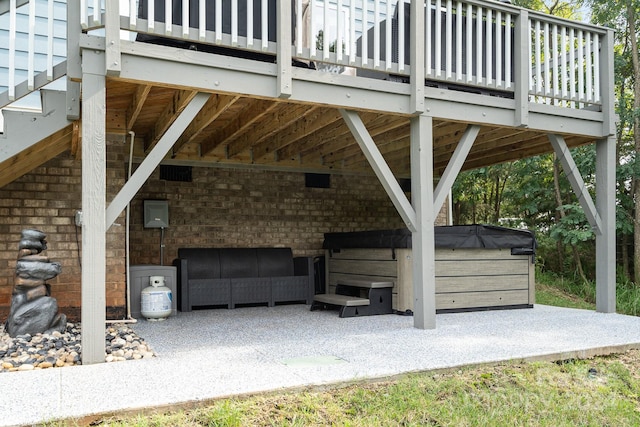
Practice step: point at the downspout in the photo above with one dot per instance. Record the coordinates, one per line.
(127, 225)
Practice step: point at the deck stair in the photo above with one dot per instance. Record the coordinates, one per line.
(30, 138)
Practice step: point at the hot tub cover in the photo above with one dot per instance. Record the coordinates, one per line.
(521, 242)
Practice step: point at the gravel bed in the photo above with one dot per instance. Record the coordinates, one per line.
(55, 350)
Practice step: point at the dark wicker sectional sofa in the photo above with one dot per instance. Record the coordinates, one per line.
(232, 276)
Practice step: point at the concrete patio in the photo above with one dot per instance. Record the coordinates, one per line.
(216, 353)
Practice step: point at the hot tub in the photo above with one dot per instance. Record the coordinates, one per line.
(478, 267)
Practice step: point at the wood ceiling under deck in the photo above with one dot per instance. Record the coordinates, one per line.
(237, 130)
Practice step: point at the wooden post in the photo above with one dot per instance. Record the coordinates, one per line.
(112, 38)
(284, 49)
(423, 237)
(74, 61)
(522, 68)
(93, 207)
(606, 240)
(417, 56)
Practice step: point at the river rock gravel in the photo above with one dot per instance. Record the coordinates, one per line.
(58, 349)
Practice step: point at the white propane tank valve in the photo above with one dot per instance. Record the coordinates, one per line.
(156, 300)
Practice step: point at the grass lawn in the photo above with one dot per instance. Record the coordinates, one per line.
(604, 391)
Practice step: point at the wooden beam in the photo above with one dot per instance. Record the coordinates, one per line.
(577, 183)
(244, 121)
(381, 169)
(139, 98)
(384, 129)
(180, 100)
(285, 116)
(310, 123)
(76, 140)
(214, 108)
(153, 159)
(455, 165)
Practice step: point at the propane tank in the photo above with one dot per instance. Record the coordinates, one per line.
(156, 299)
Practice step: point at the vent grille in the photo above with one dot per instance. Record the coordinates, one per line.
(317, 180)
(175, 173)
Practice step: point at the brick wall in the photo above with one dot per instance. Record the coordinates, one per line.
(220, 207)
(47, 199)
(245, 208)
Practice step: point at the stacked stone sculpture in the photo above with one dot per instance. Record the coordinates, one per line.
(33, 309)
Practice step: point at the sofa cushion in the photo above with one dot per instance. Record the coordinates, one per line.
(238, 262)
(275, 262)
(202, 263)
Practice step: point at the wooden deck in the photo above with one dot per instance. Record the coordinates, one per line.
(236, 129)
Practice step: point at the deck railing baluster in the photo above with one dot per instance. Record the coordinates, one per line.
(388, 56)
(554, 59)
(234, 22)
(265, 25)
(401, 38)
(498, 49)
(168, 17)
(339, 36)
(469, 46)
(596, 68)
(218, 26)
(459, 49)
(589, 78)
(488, 44)
(185, 18)
(508, 58)
(249, 21)
(572, 62)
(376, 33)
(438, 40)
(428, 41)
(352, 32)
(325, 32)
(563, 62)
(449, 41)
(479, 45)
(580, 68)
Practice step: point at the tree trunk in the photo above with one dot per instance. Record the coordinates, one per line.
(636, 135)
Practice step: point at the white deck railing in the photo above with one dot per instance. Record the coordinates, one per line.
(469, 43)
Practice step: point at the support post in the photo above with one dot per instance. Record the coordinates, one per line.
(606, 240)
(112, 38)
(417, 55)
(74, 60)
(93, 207)
(522, 68)
(285, 79)
(423, 237)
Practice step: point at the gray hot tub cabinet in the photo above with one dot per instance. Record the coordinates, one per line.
(478, 267)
